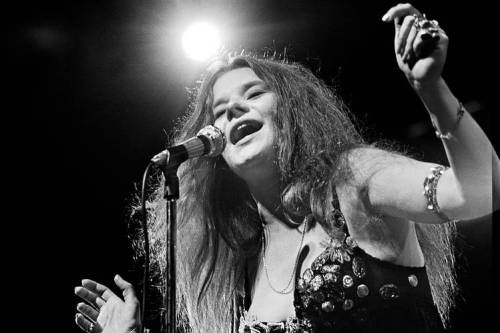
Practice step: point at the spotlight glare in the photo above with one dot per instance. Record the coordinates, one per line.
(201, 41)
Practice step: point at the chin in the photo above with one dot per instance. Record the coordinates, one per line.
(249, 162)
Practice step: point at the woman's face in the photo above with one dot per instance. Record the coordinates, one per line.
(244, 108)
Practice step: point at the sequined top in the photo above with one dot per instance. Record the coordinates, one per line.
(347, 290)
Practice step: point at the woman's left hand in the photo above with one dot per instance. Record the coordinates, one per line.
(420, 44)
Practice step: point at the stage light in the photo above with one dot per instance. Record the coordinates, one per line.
(201, 41)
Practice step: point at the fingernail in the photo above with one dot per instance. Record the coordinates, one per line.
(384, 18)
(76, 289)
(117, 277)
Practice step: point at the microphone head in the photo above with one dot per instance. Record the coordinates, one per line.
(216, 138)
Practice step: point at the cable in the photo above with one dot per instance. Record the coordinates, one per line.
(144, 223)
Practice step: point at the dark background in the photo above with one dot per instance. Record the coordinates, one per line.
(93, 85)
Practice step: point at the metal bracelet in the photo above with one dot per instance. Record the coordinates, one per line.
(430, 192)
(448, 135)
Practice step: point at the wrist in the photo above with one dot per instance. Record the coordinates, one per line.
(428, 88)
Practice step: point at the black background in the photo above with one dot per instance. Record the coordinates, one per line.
(93, 85)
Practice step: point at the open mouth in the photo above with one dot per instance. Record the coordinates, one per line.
(244, 129)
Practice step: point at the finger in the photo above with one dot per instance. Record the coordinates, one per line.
(89, 297)
(128, 291)
(98, 288)
(88, 311)
(426, 43)
(400, 42)
(400, 10)
(409, 44)
(86, 325)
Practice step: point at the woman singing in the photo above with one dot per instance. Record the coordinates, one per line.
(300, 225)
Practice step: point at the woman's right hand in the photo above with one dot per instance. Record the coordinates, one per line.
(104, 311)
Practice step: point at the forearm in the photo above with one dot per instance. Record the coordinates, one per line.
(474, 163)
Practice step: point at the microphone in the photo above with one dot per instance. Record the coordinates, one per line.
(208, 141)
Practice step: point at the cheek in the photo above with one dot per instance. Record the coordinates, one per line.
(220, 124)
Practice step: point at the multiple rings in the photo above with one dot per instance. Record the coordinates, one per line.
(91, 327)
(429, 28)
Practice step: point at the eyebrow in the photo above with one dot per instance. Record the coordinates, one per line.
(243, 89)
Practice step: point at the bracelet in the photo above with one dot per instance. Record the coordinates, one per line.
(447, 136)
(430, 193)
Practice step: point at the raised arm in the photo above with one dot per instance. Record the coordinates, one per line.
(467, 189)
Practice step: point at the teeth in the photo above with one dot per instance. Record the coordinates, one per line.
(243, 130)
(241, 126)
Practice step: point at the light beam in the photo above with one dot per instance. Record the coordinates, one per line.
(201, 40)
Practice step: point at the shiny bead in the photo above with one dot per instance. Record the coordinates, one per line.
(333, 256)
(338, 223)
(340, 257)
(330, 278)
(413, 280)
(358, 267)
(350, 242)
(328, 269)
(301, 285)
(362, 290)
(307, 276)
(327, 306)
(306, 301)
(316, 265)
(389, 291)
(348, 304)
(337, 218)
(316, 282)
(430, 207)
(347, 281)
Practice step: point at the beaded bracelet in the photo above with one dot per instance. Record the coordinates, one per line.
(430, 193)
(447, 136)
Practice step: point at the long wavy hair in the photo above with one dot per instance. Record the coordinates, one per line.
(219, 229)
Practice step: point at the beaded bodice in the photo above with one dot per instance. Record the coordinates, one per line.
(347, 290)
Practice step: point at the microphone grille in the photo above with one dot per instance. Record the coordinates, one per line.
(216, 138)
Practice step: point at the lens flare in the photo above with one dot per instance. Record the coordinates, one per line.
(201, 41)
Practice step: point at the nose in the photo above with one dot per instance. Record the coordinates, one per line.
(236, 109)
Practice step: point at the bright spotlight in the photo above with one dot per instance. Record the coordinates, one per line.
(201, 41)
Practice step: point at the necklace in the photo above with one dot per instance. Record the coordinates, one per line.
(286, 289)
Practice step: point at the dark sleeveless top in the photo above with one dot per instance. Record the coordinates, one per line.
(347, 290)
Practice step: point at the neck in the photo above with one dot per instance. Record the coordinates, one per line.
(267, 195)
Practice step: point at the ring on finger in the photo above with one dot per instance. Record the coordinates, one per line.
(429, 28)
(421, 22)
(91, 328)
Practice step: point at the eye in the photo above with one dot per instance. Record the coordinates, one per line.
(219, 113)
(255, 93)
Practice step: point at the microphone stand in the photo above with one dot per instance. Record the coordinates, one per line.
(210, 141)
(171, 194)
